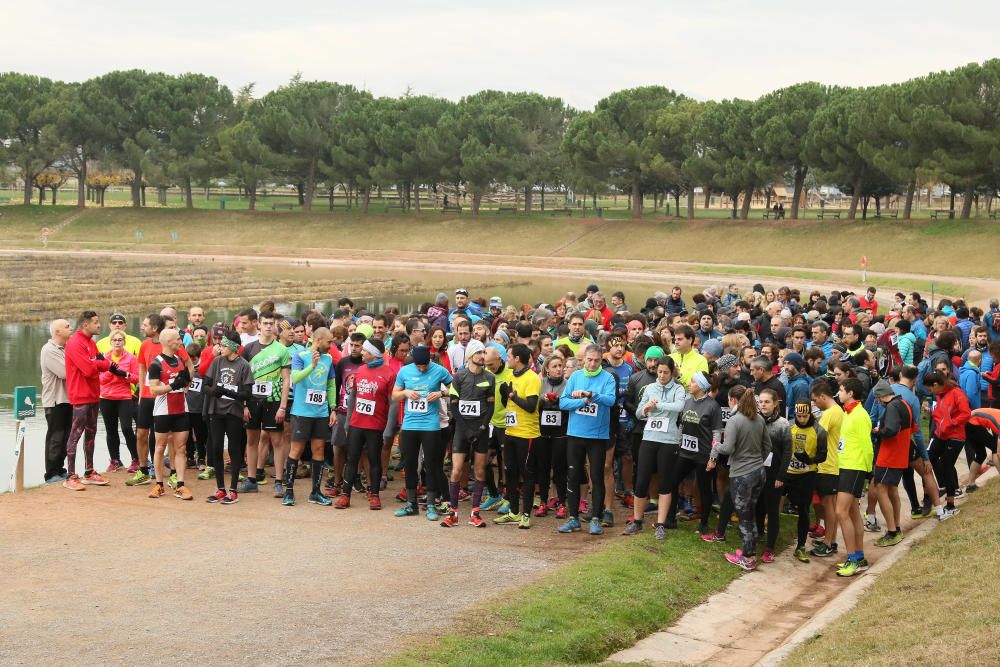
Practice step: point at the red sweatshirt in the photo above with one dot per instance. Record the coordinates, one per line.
(83, 369)
(951, 414)
(120, 388)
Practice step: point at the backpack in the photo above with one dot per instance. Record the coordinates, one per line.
(887, 353)
(994, 321)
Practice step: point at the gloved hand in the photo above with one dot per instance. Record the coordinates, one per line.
(802, 457)
(218, 391)
(99, 357)
(504, 390)
(116, 370)
(184, 376)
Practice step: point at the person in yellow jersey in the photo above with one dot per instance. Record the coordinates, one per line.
(519, 400)
(809, 447)
(577, 335)
(115, 324)
(497, 365)
(828, 471)
(855, 453)
(688, 360)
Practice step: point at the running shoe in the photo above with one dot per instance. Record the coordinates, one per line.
(134, 466)
(525, 521)
(742, 562)
(73, 483)
(476, 520)
(790, 510)
(343, 502)
(660, 531)
(231, 499)
(450, 520)
(373, 502)
(249, 485)
(850, 568)
(629, 501)
(928, 511)
(633, 527)
(507, 519)
(888, 540)
(443, 507)
(595, 526)
(971, 488)
(201, 464)
(490, 503)
(138, 479)
(553, 503)
(158, 491)
(359, 484)
(332, 493)
(192, 462)
(542, 510)
(183, 493)
(172, 481)
(304, 472)
(388, 475)
(917, 513)
(94, 479)
(571, 526)
(401, 496)
(289, 498)
(319, 499)
(863, 565)
(261, 477)
(432, 513)
(767, 557)
(871, 524)
(409, 509)
(115, 466)
(503, 509)
(823, 550)
(207, 473)
(801, 554)
(464, 495)
(279, 489)
(948, 513)
(817, 531)
(561, 511)
(584, 508)
(216, 497)
(384, 482)
(958, 492)
(712, 536)
(607, 518)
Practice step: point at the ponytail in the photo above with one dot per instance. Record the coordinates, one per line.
(746, 402)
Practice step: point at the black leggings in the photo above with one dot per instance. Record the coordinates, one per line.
(520, 463)
(799, 489)
(594, 451)
(410, 443)
(198, 442)
(118, 414)
(371, 441)
(767, 507)
(944, 455)
(223, 428)
(654, 458)
(550, 451)
(682, 469)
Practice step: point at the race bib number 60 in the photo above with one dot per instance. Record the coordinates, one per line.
(658, 425)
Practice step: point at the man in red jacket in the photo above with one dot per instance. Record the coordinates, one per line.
(84, 365)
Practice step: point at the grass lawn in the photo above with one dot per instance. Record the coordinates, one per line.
(592, 607)
(936, 605)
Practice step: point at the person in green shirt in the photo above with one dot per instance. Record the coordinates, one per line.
(855, 454)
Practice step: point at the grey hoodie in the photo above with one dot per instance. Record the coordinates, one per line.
(747, 443)
(670, 399)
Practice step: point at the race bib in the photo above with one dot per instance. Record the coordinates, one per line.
(658, 425)
(689, 443)
(262, 389)
(587, 410)
(767, 461)
(363, 406)
(727, 412)
(795, 464)
(510, 419)
(230, 387)
(840, 445)
(416, 405)
(315, 397)
(469, 408)
(551, 418)
(195, 385)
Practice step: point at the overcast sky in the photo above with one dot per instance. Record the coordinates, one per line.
(580, 50)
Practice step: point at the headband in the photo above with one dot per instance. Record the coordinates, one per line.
(370, 349)
(230, 345)
(702, 381)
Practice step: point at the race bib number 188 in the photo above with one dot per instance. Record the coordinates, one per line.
(315, 397)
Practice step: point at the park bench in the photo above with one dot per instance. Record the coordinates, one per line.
(286, 206)
(507, 209)
(456, 208)
(560, 211)
(886, 214)
(822, 215)
(941, 213)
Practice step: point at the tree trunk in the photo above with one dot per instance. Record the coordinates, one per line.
(636, 198)
(951, 203)
(527, 199)
(677, 203)
(690, 211)
(100, 196)
(310, 192)
(136, 187)
(300, 188)
(594, 196)
(542, 202)
(767, 199)
(142, 195)
(747, 201)
(908, 206)
(28, 186)
(855, 198)
(970, 192)
(800, 181)
(477, 199)
(708, 197)
(41, 196)
(416, 199)
(329, 198)
(408, 191)
(188, 194)
(368, 198)
(81, 184)
(252, 195)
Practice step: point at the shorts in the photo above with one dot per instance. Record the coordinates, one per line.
(171, 423)
(980, 437)
(263, 416)
(470, 439)
(306, 429)
(339, 437)
(622, 441)
(826, 484)
(144, 417)
(888, 476)
(852, 482)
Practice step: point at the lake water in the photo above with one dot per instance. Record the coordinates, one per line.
(20, 343)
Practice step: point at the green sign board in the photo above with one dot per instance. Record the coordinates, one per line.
(25, 399)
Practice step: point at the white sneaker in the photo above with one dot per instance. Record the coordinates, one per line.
(948, 513)
(871, 524)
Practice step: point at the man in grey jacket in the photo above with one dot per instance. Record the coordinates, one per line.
(55, 400)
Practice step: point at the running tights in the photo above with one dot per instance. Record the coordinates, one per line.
(226, 428)
(84, 424)
(577, 450)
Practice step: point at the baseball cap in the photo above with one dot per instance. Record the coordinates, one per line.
(593, 288)
(218, 330)
(496, 302)
(462, 291)
(118, 317)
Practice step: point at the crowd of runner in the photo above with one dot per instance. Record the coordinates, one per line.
(744, 406)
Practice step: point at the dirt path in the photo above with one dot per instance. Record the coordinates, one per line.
(108, 576)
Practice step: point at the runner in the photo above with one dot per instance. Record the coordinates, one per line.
(828, 470)
(502, 374)
(688, 359)
(769, 500)
(117, 408)
(115, 324)
(951, 414)
(418, 383)
(313, 413)
(895, 431)
(577, 334)
(226, 386)
(520, 398)
(809, 445)
(551, 446)
(589, 396)
(344, 370)
(370, 399)
(854, 451)
(168, 380)
(84, 364)
(55, 400)
(472, 404)
(620, 447)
